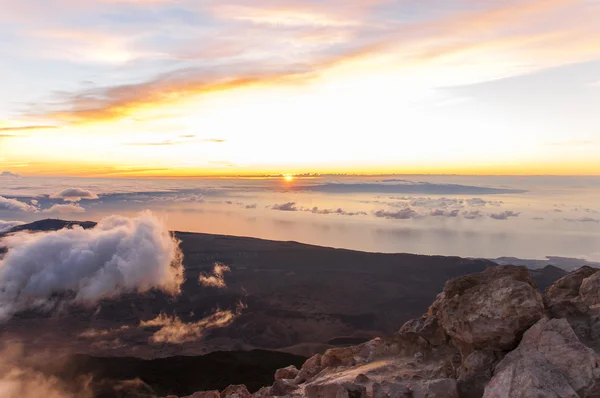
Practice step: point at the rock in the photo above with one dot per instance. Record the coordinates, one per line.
(335, 390)
(263, 393)
(236, 391)
(549, 362)
(426, 327)
(283, 387)
(589, 291)
(476, 372)
(289, 372)
(309, 369)
(205, 394)
(567, 287)
(489, 310)
(440, 388)
(391, 390)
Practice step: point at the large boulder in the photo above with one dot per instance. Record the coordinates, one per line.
(567, 287)
(589, 291)
(489, 310)
(550, 361)
(283, 387)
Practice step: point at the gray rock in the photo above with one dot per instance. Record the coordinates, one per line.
(426, 327)
(391, 390)
(205, 394)
(567, 287)
(589, 291)
(439, 388)
(283, 387)
(549, 360)
(475, 373)
(489, 310)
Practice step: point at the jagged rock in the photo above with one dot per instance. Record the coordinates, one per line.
(309, 369)
(391, 390)
(283, 387)
(289, 372)
(549, 362)
(476, 372)
(589, 291)
(426, 327)
(335, 390)
(440, 388)
(263, 393)
(204, 394)
(489, 310)
(236, 391)
(567, 287)
(341, 356)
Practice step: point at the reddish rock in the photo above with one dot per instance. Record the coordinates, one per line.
(489, 310)
(567, 287)
(236, 391)
(289, 372)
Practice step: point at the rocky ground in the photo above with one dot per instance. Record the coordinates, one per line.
(490, 334)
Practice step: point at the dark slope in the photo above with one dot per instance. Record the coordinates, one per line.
(180, 375)
(300, 298)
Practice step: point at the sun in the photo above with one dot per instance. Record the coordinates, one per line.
(288, 178)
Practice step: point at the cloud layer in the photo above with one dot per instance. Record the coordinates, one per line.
(118, 255)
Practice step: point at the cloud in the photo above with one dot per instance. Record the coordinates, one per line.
(444, 213)
(17, 379)
(339, 211)
(403, 214)
(472, 214)
(64, 209)
(76, 194)
(117, 256)
(182, 139)
(505, 215)
(16, 205)
(9, 174)
(174, 331)
(7, 225)
(583, 219)
(252, 206)
(289, 206)
(217, 278)
(25, 128)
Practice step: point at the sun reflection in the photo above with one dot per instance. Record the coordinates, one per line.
(288, 178)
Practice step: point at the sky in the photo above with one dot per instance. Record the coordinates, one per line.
(157, 88)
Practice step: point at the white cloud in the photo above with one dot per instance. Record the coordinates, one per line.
(118, 255)
(217, 278)
(65, 209)
(505, 215)
(174, 331)
(6, 225)
(16, 205)
(403, 214)
(444, 213)
(289, 206)
(76, 194)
